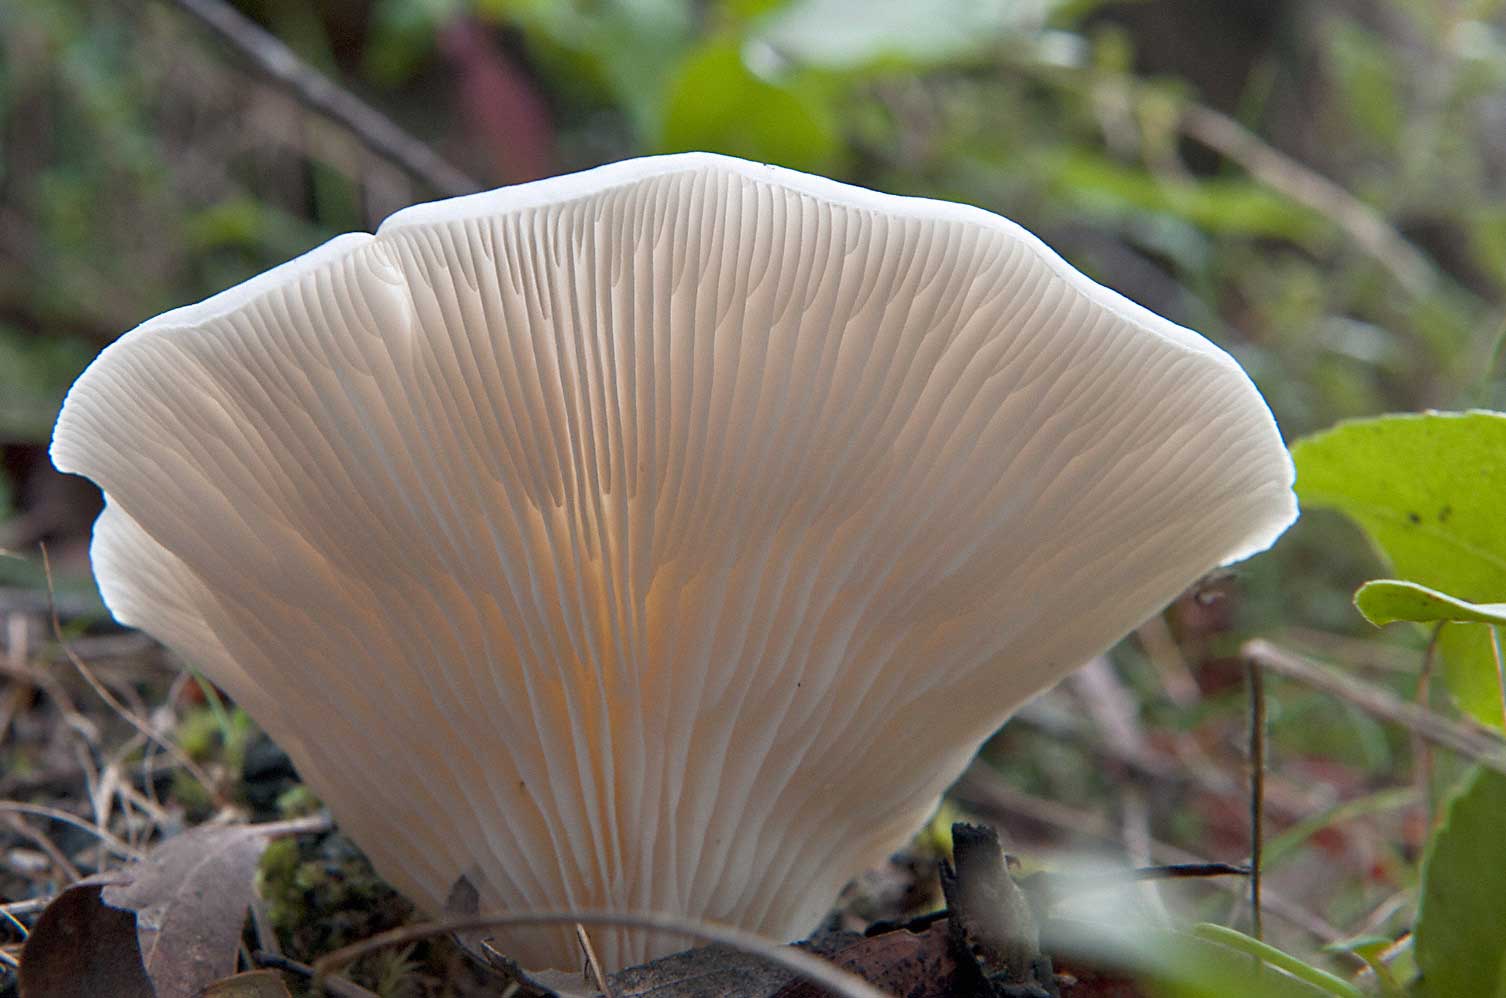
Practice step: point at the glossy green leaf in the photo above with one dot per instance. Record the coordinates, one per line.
(1429, 489)
(1461, 915)
(716, 103)
(1385, 601)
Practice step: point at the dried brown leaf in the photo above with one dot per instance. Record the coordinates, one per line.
(190, 896)
(251, 984)
(83, 948)
(165, 926)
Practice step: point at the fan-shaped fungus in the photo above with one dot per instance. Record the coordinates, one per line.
(662, 537)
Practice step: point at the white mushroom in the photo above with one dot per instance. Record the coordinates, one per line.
(663, 537)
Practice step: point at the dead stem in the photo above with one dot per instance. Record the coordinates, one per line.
(1476, 744)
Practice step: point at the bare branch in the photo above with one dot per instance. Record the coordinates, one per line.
(1302, 184)
(1482, 747)
(313, 89)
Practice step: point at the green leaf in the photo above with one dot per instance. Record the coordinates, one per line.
(1385, 601)
(1461, 916)
(1281, 846)
(1095, 184)
(1208, 962)
(627, 48)
(1429, 489)
(1274, 957)
(717, 104)
(833, 34)
(1387, 958)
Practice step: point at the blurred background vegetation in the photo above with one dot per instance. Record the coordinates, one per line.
(1317, 185)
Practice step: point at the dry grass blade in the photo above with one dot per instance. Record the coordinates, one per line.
(831, 977)
(1256, 681)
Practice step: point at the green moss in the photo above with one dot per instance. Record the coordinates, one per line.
(297, 802)
(197, 804)
(198, 734)
(322, 894)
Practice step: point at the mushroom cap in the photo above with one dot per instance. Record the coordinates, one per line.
(666, 536)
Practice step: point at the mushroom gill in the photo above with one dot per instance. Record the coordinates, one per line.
(662, 537)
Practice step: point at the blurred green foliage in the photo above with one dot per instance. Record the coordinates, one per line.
(161, 179)
(146, 166)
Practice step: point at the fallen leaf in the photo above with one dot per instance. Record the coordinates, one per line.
(83, 948)
(166, 926)
(251, 984)
(190, 896)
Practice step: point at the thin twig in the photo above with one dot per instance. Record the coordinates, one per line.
(120, 847)
(1422, 752)
(1487, 749)
(1191, 871)
(17, 651)
(1065, 883)
(313, 824)
(1495, 648)
(1256, 680)
(1357, 654)
(172, 749)
(261, 924)
(1362, 223)
(982, 788)
(831, 977)
(313, 89)
(30, 906)
(1160, 646)
(67, 872)
(337, 986)
(593, 964)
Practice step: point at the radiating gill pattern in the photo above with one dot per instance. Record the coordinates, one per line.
(670, 546)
